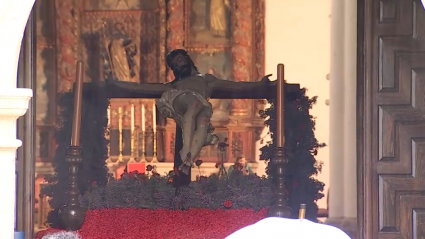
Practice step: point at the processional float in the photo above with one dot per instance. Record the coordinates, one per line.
(73, 215)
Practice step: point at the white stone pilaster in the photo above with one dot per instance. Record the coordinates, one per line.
(343, 101)
(336, 135)
(350, 109)
(13, 104)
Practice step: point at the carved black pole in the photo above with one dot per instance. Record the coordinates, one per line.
(280, 208)
(72, 214)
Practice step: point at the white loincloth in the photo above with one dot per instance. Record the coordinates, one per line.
(166, 102)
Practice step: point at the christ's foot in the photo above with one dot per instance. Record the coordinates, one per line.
(185, 169)
(211, 139)
(186, 165)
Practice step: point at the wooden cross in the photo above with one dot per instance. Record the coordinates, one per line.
(246, 91)
(125, 90)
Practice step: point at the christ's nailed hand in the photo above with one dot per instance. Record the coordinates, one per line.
(266, 79)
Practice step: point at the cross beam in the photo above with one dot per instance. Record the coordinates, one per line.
(267, 92)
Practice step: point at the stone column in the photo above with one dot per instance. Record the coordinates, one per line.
(342, 138)
(241, 52)
(13, 104)
(350, 109)
(336, 136)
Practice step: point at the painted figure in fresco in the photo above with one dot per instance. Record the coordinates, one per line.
(107, 5)
(122, 51)
(219, 21)
(185, 99)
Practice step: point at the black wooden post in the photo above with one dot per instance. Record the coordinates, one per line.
(180, 179)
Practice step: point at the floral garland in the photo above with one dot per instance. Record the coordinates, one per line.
(301, 148)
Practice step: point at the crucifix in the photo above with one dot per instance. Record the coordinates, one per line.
(185, 99)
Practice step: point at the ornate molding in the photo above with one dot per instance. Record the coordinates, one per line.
(175, 28)
(242, 32)
(67, 37)
(13, 104)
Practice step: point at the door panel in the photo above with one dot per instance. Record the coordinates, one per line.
(392, 119)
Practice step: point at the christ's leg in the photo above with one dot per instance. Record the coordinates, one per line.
(188, 128)
(200, 135)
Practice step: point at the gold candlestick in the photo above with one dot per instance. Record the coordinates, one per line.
(154, 158)
(301, 214)
(132, 154)
(142, 142)
(120, 119)
(108, 132)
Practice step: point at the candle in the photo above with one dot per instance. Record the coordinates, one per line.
(154, 117)
(132, 118)
(109, 115)
(143, 118)
(301, 213)
(280, 104)
(78, 92)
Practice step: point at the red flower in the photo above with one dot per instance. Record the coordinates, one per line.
(217, 165)
(93, 183)
(170, 179)
(198, 162)
(227, 204)
(149, 168)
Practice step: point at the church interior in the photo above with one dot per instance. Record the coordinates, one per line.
(361, 59)
(128, 39)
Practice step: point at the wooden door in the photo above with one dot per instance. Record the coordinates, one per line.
(391, 119)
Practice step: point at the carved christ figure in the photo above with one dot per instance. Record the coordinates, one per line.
(185, 99)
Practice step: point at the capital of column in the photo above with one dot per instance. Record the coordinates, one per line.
(13, 104)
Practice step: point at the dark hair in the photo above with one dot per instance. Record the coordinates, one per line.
(177, 52)
(239, 158)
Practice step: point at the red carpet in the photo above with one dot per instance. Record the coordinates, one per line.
(164, 224)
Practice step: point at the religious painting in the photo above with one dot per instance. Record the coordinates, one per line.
(45, 87)
(220, 65)
(208, 23)
(120, 5)
(111, 45)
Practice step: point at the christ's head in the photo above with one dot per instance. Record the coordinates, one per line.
(180, 63)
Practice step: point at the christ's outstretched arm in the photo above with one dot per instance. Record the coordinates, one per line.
(242, 90)
(137, 90)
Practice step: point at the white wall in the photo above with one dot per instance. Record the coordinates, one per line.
(298, 35)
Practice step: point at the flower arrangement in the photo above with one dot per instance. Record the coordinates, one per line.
(134, 223)
(147, 204)
(152, 191)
